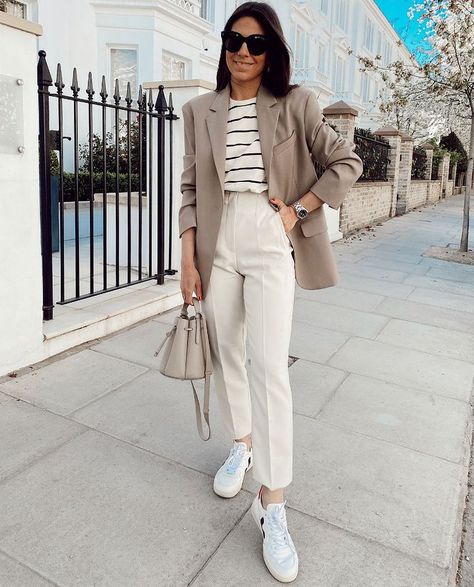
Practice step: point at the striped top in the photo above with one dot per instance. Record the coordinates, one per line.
(244, 168)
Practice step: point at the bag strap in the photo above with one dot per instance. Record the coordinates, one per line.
(169, 333)
(207, 384)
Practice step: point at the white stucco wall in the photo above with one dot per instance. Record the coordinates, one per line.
(21, 332)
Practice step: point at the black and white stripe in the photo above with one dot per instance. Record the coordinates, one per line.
(244, 168)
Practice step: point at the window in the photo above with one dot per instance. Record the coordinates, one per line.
(365, 89)
(341, 14)
(13, 7)
(123, 66)
(300, 53)
(324, 6)
(387, 52)
(340, 74)
(322, 58)
(174, 67)
(379, 43)
(207, 10)
(369, 34)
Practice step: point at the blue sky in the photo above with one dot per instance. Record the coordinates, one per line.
(396, 13)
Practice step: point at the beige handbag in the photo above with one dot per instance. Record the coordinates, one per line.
(187, 356)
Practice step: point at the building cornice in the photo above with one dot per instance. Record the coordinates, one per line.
(153, 7)
(21, 24)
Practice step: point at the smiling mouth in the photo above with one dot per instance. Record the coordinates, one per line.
(242, 63)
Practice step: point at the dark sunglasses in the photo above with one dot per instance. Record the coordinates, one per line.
(256, 44)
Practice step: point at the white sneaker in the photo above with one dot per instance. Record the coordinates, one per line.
(230, 476)
(279, 551)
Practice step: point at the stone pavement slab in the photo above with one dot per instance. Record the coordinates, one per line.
(328, 557)
(314, 343)
(441, 285)
(426, 314)
(27, 433)
(339, 319)
(430, 339)
(63, 386)
(14, 574)
(398, 497)
(340, 296)
(352, 281)
(102, 512)
(313, 385)
(157, 413)
(420, 370)
(424, 422)
(455, 274)
(447, 300)
(137, 344)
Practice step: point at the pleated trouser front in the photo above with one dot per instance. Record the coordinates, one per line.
(249, 302)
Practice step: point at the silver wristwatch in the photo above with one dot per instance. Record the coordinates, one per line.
(301, 211)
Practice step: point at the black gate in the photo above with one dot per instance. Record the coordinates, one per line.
(86, 247)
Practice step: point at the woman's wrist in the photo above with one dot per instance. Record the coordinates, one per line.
(187, 263)
(310, 201)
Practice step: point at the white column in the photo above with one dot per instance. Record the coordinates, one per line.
(21, 325)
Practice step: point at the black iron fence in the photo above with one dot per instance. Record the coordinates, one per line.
(374, 152)
(112, 235)
(419, 163)
(435, 168)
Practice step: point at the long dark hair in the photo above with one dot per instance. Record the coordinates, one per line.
(277, 80)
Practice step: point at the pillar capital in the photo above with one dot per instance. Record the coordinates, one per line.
(340, 109)
(388, 131)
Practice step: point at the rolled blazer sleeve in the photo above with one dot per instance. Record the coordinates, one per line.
(187, 211)
(343, 165)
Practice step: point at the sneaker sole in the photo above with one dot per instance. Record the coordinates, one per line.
(229, 494)
(275, 574)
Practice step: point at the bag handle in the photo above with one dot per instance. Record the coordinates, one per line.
(197, 302)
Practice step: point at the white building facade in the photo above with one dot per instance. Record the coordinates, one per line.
(149, 40)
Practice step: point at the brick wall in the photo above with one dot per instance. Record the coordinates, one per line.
(366, 203)
(449, 188)
(371, 202)
(434, 194)
(419, 192)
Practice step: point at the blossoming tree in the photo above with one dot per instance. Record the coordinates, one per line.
(441, 80)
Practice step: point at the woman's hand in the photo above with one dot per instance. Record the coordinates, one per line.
(190, 281)
(287, 213)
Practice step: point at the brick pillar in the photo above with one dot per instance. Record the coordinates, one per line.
(429, 160)
(344, 117)
(443, 174)
(393, 136)
(455, 172)
(404, 180)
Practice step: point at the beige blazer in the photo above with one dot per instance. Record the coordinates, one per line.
(293, 134)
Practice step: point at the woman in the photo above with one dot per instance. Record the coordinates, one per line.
(251, 220)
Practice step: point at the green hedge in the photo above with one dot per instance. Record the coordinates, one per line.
(84, 184)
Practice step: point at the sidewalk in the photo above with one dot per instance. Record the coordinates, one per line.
(105, 481)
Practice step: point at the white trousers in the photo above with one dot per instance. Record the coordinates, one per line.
(250, 300)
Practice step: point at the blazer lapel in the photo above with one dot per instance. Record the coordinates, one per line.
(268, 110)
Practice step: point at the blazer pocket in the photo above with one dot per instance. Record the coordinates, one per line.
(283, 145)
(314, 223)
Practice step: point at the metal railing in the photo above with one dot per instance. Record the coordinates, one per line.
(435, 168)
(419, 163)
(374, 152)
(116, 168)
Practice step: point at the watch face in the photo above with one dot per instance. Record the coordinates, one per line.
(302, 213)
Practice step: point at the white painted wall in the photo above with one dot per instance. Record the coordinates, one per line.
(21, 332)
